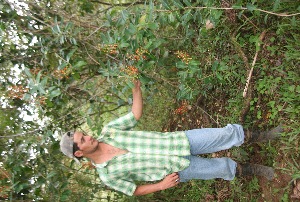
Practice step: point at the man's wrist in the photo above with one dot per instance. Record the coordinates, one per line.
(160, 186)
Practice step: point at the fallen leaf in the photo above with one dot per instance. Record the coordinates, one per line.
(296, 190)
(209, 25)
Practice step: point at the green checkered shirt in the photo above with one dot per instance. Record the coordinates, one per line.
(151, 155)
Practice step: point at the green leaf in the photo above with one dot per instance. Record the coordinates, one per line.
(27, 72)
(89, 121)
(62, 65)
(194, 63)
(64, 185)
(152, 25)
(55, 93)
(276, 5)
(76, 75)
(171, 17)
(132, 29)
(56, 29)
(178, 4)
(62, 39)
(41, 89)
(148, 45)
(236, 6)
(142, 19)
(44, 81)
(70, 54)
(250, 7)
(27, 97)
(38, 77)
(49, 103)
(124, 45)
(292, 88)
(65, 195)
(165, 5)
(73, 41)
(69, 26)
(51, 174)
(79, 64)
(187, 2)
(33, 89)
(217, 14)
(124, 15)
(121, 102)
(20, 187)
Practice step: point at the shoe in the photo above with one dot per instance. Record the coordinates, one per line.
(265, 136)
(255, 169)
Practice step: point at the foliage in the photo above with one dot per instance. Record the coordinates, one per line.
(76, 61)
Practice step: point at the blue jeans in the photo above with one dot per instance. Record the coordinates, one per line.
(210, 140)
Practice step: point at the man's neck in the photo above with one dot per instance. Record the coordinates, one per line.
(105, 152)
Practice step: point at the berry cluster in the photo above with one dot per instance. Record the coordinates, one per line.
(3, 192)
(17, 91)
(35, 71)
(131, 71)
(109, 49)
(41, 100)
(4, 189)
(185, 57)
(140, 54)
(184, 107)
(61, 73)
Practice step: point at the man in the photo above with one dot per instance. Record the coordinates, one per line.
(123, 156)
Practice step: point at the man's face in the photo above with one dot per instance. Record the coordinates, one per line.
(87, 144)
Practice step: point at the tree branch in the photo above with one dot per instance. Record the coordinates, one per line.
(261, 37)
(230, 8)
(120, 4)
(21, 134)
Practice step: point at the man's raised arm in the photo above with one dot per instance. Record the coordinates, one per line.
(137, 106)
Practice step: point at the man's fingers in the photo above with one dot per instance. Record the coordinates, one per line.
(173, 179)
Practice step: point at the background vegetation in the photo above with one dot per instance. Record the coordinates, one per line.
(69, 64)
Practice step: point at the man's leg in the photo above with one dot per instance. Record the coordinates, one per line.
(205, 169)
(225, 168)
(208, 140)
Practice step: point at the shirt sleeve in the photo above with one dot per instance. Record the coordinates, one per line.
(123, 123)
(125, 186)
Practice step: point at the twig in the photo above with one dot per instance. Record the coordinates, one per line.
(120, 4)
(230, 8)
(91, 56)
(21, 134)
(261, 37)
(207, 114)
(250, 21)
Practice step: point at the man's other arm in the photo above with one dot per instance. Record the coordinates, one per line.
(168, 182)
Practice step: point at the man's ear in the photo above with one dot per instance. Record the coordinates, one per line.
(78, 153)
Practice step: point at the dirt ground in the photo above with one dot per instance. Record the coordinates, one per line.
(201, 115)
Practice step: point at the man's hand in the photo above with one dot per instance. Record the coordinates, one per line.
(168, 182)
(137, 84)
